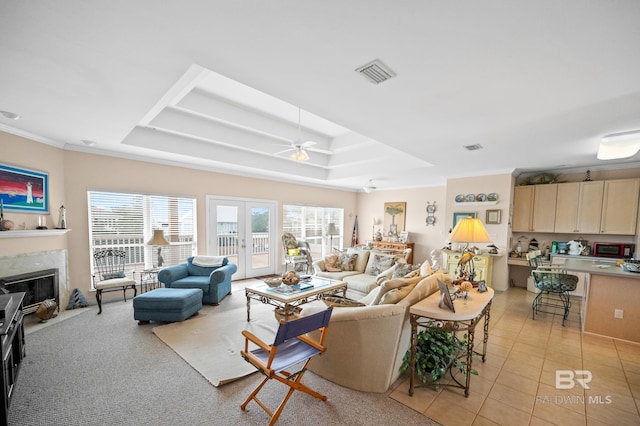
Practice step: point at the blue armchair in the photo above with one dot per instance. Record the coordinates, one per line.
(215, 281)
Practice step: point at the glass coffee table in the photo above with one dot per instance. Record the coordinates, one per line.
(288, 298)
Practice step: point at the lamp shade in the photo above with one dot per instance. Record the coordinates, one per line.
(332, 229)
(469, 230)
(158, 238)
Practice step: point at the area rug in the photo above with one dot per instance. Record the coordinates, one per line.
(211, 341)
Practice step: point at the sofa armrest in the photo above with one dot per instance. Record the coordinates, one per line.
(172, 273)
(223, 273)
(318, 266)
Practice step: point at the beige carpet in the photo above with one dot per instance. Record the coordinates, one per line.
(211, 341)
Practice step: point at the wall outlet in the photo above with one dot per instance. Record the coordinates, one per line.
(618, 313)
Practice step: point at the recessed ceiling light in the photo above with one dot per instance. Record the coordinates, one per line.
(88, 142)
(10, 115)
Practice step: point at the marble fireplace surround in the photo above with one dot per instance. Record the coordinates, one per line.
(36, 261)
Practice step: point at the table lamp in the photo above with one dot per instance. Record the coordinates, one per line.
(158, 239)
(469, 230)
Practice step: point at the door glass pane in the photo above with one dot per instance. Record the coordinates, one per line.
(260, 237)
(227, 229)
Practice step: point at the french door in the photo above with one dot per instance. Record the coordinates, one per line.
(245, 232)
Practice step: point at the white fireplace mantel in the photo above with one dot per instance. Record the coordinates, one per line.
(33, 233)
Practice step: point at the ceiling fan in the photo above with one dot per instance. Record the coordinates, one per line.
(298, 148)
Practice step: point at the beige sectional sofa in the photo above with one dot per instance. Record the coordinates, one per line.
(369, 268)
(365, 345)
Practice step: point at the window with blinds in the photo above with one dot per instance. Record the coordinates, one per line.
(311, 224)
(127, 221)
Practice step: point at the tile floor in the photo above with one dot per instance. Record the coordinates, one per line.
(516, 384)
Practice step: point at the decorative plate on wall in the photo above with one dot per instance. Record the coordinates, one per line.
(459, 198)
(481, 197)
(470, 198)
(492, 197)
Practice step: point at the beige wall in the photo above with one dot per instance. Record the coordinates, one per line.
(500, 233)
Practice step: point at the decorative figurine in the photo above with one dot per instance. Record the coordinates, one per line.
(62, 218)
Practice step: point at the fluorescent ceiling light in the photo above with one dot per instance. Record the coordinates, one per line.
(619, 145)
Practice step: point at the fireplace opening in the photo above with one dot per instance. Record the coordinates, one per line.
(38, 286)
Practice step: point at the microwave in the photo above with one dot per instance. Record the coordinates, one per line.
(617, 250)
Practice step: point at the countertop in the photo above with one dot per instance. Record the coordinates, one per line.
(598, 266)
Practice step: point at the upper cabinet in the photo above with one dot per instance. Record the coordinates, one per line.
(579, 207)
(534, 208)
(593, 207)
(620, 207)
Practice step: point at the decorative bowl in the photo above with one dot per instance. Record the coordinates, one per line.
(273, 282)
(632, 265)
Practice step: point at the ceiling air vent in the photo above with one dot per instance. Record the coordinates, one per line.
(473, 147)
(376, 72)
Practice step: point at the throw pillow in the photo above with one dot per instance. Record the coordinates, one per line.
(341, 302)
(403, 270)
(378, 263)
(361, 260)
(347, 261)
(331, 263)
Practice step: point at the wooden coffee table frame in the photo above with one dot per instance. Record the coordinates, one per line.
(322, 287)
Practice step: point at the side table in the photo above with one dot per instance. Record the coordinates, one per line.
(468, 313)
(149, 279)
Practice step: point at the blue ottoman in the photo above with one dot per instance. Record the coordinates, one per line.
(167, 304)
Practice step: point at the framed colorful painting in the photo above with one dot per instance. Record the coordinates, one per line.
(24, 190)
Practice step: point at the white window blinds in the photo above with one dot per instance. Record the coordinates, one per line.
(126, 221)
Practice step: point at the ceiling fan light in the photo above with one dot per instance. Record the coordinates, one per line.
(619, 145)
(299, 155)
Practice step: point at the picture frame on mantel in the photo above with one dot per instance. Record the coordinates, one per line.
(24, 190)
(493, 217)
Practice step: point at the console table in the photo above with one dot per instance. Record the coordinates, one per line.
(394, 247)
(13, 348)
(468, 313)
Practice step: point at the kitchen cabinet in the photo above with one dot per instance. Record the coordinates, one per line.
(483, 265)
(534, 208)
(579, 207)
(620, 207)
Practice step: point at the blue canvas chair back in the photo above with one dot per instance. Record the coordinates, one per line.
(300, 326)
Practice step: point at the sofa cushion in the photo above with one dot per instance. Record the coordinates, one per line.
(378, 263)
(337, 275)
(193, 281)
(347, 261)
(361, 260)
(360, 283)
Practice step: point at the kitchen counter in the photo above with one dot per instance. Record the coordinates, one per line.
(598, 265)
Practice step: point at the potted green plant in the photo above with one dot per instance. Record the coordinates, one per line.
(436, 351)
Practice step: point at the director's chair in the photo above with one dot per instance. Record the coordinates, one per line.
(291, 346)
